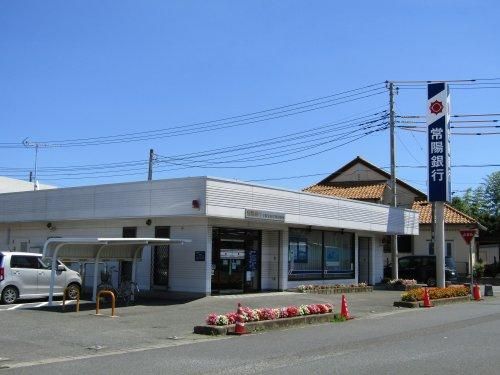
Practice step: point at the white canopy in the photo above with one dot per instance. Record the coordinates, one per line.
(96, 250)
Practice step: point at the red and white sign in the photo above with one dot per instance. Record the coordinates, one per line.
(468, 235)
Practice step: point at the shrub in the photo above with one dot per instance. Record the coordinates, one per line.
(415, 295)
(479, 269)
(405, 282)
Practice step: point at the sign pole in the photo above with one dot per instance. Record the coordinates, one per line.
(439, 245)
(468, 236)
(471, 267)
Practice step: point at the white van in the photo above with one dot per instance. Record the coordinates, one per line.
(25, 275)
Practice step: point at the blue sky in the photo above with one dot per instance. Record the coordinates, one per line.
(79, 69)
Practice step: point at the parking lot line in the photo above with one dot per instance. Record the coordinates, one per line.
(14, 307)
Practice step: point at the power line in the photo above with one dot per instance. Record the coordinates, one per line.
(454, 133)
(280, 139)
(385, 167)
(228, 122)
(308, 139)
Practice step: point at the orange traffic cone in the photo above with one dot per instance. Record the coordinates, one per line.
(344, 310)
(239, 329)
(427, 298)
(476, 293)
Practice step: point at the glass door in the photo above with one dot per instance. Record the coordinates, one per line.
(232, 264)
(235, 261)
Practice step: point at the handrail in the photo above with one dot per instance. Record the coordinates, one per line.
(77, 299)
(110, 293)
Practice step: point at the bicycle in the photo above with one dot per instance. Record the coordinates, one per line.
(127, 290)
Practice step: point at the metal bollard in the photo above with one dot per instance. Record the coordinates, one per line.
(77, 300)
(97, 305)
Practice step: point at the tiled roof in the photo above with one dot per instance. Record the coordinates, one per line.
(368, 190)
(451, 215)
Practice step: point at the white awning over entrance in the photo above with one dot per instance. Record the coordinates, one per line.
(98, 250)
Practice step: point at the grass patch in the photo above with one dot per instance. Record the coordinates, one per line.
(337, 318)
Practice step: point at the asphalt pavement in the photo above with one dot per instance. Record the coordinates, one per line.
(31, 336)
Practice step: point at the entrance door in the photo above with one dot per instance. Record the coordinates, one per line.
(364, 250)
(235, 261)
(232, 265)
(160, 260)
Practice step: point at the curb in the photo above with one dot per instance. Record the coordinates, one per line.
(366, 289)
(265, 324)
(434, 302)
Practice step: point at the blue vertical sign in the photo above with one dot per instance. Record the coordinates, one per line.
(438, 131)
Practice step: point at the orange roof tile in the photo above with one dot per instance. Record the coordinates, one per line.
(368, 190)
(451, 215)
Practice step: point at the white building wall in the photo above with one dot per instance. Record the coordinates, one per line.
(270, 260)
(359, 172)
(489, 253)
(229, 199)
(186, 274)
(127, 200)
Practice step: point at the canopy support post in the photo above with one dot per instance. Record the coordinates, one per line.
(134, 266)
(96, 270)
(53, 274)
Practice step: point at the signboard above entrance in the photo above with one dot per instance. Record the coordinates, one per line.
(265, 215)
(232, 253)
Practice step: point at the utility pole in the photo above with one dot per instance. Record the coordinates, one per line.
(27, 143)
(394, 202)
(150, 169)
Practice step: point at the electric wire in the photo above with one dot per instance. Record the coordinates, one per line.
(228, 122)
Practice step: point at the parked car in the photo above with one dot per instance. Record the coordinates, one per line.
(25, 275)
(423, 269)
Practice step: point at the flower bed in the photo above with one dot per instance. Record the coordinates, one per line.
(333, 289)
(435, 293)
(402, 284)
(254, 315)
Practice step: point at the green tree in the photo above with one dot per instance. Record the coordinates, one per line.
(492, 193)
(482, 203)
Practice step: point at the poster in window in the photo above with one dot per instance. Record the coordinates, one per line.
(301, 253)
(332, 256)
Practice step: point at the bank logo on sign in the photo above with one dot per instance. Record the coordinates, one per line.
(436, 107)
(439, 142)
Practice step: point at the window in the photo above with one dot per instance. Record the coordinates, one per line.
(431, 248)
(404, 244)
(305, 254)
(298, 250)
(315, 254)
(129, 232)
(449, 252)
(21, 261)
(23, 246)
(339, 255)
